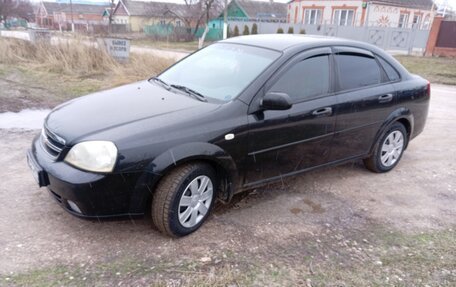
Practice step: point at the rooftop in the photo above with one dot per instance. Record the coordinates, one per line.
(418, 4)
(262, 9)
(155, 9)
(52, 7)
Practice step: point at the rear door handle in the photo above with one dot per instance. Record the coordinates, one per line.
(322, 112)
(385, 98)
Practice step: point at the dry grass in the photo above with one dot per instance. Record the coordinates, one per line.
(44, 75)
(79, 59)
(169, 45)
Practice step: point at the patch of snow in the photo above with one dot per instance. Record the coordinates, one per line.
(26, 119)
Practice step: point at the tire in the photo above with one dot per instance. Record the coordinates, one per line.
(388, 150)
(184, 198)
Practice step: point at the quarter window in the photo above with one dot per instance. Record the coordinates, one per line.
(306, 80)
(392, 74)
(357, 71)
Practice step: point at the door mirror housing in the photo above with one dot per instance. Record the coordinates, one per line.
(276, 101)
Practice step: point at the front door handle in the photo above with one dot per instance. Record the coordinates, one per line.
(322, 112)
(385, 98)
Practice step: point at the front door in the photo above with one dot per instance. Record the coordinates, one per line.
(286, 142)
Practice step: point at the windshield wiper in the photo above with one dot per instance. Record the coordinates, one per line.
(189, 91)
(163, 83)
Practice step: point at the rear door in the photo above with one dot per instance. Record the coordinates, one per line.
(365, 99)
(286, 142)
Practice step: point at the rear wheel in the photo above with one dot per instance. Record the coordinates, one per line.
(184, 199)
(388, 150)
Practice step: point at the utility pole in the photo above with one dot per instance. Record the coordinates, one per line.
(72, 20)
(225, 20)
(111, 10)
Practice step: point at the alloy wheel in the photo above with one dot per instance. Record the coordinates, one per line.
(392, 148)
(195, 201)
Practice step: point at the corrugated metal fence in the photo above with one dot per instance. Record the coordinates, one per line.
(405, 40)
(172, 32)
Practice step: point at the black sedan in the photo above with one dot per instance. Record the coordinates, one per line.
(233, 116)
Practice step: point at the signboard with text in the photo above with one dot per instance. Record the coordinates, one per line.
(117, 48)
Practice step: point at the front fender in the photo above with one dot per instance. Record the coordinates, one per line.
(166, 161)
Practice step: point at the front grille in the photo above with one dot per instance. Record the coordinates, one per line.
(52, 143)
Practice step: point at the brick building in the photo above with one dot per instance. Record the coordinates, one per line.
(53, 15)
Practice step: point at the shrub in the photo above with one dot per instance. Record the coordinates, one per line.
(280, 31)
(254, 29)
(236, 31)
(290, 30)
(302, 31)
(246, 30)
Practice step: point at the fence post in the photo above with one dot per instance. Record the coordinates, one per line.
(433, 36)
(412, 40)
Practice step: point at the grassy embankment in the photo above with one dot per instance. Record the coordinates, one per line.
(166, 45)
(65, 71)
(436, 70)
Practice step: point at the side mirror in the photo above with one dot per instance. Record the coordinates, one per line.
(275, 101)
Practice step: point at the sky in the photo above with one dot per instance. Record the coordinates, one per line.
(451, 3)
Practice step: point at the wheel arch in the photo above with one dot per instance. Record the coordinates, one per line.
(401, 115)
(160, 166)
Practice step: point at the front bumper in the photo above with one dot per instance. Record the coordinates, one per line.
(87, 194)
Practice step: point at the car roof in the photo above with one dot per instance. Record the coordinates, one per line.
(281, 42)
(299, 42)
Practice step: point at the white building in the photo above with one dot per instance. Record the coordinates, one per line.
(384, 13)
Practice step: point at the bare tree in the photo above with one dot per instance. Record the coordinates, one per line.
(16, 8)
(199, 12)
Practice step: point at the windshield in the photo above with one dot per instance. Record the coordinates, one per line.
(220, 71)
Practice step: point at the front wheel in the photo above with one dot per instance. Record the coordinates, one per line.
(184, 198)
(388, 150)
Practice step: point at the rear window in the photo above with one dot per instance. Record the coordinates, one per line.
(357, 71)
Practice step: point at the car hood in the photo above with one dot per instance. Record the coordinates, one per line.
(106, 110)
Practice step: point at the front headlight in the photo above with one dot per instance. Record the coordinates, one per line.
(97, 156)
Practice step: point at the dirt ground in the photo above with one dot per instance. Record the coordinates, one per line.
(341, 226)
(16, 95)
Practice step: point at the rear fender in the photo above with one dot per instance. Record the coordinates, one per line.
(401, 114)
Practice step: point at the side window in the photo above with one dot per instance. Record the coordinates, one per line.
(356, 71)
(392, 74)
(306, 80)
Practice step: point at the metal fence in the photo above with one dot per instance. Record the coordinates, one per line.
(171, 32)
(404, 40)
